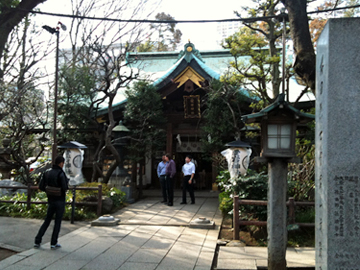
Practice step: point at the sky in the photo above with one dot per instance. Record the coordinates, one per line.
(203, 35)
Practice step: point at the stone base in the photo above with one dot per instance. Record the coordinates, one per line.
(236, 243)
(129, 196)
(202, 223)
(101, 221)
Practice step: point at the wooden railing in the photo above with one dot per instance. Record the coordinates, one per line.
(30, 189)
(291, 216)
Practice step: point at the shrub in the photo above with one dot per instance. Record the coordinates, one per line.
(252, 186)
(117, 196)
(17, 209)
(90, 195)
(301, 177)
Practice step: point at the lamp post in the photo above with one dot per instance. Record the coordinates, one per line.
(55, 31)
(278, 132)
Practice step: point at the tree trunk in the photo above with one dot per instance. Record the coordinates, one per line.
(10, 18)
(108, 143)
(299, 29)
(96, 168)
(133, 172)
(141, 166)
(275, 72)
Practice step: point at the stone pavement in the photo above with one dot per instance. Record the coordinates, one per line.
(253, 258)
(150, 236)
(12, 230)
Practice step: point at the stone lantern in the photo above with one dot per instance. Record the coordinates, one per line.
(120, 132)
(278, 132)
(279, 122)
(121, 178)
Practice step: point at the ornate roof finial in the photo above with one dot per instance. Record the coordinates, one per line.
(188, 52)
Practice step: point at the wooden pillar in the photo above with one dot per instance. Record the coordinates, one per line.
(214, 169)
(169, 139)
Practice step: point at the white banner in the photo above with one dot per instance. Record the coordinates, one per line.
(238, 160)
(73, 164)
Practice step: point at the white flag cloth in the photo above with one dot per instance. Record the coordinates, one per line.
(73, 165)
(238, 160)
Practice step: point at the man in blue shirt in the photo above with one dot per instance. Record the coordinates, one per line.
(161, 172)
(188, 183)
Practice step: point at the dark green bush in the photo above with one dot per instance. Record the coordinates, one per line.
(17, 209)
(117, 196)
(253, 186)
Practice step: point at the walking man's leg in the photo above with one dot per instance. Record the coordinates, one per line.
(60, 208)
(50, 212)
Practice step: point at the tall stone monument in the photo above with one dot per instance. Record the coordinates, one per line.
(338, 146)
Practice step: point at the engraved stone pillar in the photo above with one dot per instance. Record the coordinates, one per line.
(276, 212)
(338, 146)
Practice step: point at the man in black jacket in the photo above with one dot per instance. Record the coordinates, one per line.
(56, 204)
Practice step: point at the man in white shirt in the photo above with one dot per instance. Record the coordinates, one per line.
(188, 182)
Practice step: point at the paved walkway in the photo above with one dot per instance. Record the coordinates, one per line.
(151, 236)
(18, 234)
(253, 258)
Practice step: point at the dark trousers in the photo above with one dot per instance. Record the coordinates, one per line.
(188, 187)
(163, 187)
(170, 188)
(57, 208)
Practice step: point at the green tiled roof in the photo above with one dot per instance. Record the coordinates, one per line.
(116, 106)
(280, 101)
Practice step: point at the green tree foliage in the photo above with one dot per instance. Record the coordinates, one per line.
(253, 63)
(252, 186)
(75, 103)
(144, 112)
(165, 36)
(301, 177)
(147, 46)
(270, 30)
(222, 115)
(145, 118)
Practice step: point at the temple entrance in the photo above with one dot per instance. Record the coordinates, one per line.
(203, 169)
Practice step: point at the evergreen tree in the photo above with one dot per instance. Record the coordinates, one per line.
(145, 118)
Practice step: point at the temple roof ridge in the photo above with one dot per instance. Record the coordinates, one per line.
(189, 52)
(187, 57)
